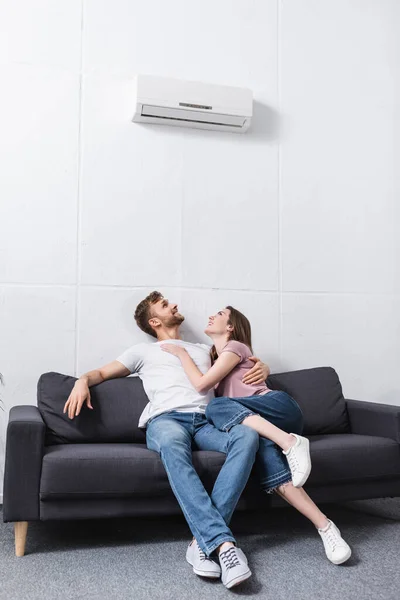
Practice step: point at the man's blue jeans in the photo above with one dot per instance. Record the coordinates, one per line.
(173, 435)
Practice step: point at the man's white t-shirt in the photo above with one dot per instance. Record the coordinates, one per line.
(164, 380)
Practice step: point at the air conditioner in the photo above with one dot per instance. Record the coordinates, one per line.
(168, 101)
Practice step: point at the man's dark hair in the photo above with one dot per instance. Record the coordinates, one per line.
(143, 312)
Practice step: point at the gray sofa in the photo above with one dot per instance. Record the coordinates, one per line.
(97, 465)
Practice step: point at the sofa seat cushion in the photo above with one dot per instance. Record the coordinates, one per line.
(117, 470)
(350, 457)
(113, 470)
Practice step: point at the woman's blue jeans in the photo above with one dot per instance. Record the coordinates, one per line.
(174, 435)
(278, 408)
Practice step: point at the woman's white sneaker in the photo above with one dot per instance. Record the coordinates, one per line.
(336, 549)
(299, 459)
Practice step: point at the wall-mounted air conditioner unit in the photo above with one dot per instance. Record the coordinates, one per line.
(168, 101)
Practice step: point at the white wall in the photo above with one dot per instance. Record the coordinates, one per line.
(294, 223)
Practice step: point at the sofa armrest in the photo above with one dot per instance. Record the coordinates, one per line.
(23, 464)
(371, 418)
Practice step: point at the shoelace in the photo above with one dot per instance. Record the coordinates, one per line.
(292, 460)
(229, 558)
(203, 557)
(332, 537)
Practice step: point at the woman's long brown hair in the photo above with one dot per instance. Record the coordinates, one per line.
(241, 331)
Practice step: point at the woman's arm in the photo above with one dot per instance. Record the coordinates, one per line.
(204, 382)
(257, 374)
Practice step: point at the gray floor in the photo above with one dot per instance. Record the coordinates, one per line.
(144, 559)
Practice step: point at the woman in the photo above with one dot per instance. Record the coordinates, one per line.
(275, 415)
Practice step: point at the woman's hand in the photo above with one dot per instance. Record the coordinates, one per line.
(173, 349)
(257, 374)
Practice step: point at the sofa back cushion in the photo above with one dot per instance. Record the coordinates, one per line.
(117, 405)
(319, 394)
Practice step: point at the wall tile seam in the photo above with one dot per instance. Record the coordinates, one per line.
(94, 286)
(78, 272)
(279, 181)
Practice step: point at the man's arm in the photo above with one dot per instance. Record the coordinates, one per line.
(80, 392)
(112, 370)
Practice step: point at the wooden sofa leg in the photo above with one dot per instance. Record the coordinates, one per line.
(20, 531)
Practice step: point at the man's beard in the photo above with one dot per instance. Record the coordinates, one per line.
(174, 320)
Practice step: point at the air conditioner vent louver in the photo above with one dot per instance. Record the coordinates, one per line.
(190, 116)
(206, 106)
(195, 106)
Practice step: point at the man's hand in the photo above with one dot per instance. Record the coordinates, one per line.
(80, 393)
(258, 373)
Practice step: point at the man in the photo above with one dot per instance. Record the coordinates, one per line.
(175, 420)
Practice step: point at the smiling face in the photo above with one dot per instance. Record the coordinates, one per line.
(165, 314)
(155, 313)
(230, 324)
(219, 323)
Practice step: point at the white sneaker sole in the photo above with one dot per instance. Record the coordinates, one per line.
(208, 574)
(237, 580)
(341, 560)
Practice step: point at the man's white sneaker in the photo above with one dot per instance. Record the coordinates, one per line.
(299, 460)
(336, 549)
(234, 567)
(202, 564)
